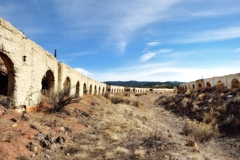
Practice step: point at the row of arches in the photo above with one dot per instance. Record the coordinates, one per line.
(48, 86)
(234, 84)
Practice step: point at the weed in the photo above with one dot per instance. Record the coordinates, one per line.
(118, 99)
(200, 130)
(61, 100)
(107, 95)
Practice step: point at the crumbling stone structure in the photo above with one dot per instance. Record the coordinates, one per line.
(31, 70)
(27, 71)
(229, 81)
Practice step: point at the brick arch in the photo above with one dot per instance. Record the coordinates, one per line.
(84, 89)
(235, 83)
(95, 90)
(90, 89)
(220, 84)
(193, 86)
(77, 89)
(48, 83)
(200, 86)
(67, 86)
(7, 77)
(208, 85)
(99, 90)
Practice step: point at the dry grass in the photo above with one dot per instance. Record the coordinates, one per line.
(200, 131)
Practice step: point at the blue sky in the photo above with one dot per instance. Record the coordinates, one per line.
(153, 40)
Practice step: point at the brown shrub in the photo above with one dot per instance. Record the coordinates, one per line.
(118, 99)
(107, 95)
(200, 131)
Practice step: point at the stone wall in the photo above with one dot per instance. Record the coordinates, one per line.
(227, 81)
(27, 63)
(32, 71)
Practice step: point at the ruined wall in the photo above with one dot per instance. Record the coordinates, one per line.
(32, 71)
(226, 80)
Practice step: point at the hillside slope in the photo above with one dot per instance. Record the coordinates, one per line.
(117, 127)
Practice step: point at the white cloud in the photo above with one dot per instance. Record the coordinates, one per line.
(118, 21)
(212, 35)
(237, 50)
(84, 72)
(147, 56)
(153, 44)
(150, 55)
(164, 72)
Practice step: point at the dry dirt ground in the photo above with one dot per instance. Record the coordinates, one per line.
(96, 128)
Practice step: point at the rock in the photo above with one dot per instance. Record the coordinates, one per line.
(62, 129)
(32, 147)
(14, 119)
(40, 136)
(54, 147)
(6, 102)
(50, 138)
(14, 125)
(25, 116)
(33, 127)
(45, 144)
(60, 140)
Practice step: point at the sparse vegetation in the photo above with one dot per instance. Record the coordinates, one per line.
(61, 100)
(200, 131)
(121, 126)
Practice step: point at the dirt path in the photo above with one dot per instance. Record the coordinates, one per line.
(171, 125)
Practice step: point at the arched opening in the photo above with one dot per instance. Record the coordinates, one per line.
(193, 86)
(84, 89)
(99, 91)
(48, 83)
(189, 87)
(186, 87)
(77, 89)
(112, 90)
(7, 76)
(90, 89)
(208, 85)
(95, 90)
(67, 86)
(235, 83)
(220, 85)
(199, 86)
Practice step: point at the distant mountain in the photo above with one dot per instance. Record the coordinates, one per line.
(145, 84)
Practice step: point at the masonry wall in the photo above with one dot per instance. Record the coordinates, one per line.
(28, 65)
(213, 81)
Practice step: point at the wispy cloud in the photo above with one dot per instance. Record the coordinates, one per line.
(237, 50)
(155, 72)
(117, 20)
(152, 54)
(154, 43)
(73, 56)
(147, 56)
(212, 35)
(84, 72)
